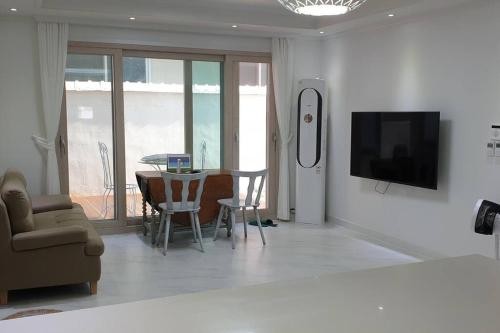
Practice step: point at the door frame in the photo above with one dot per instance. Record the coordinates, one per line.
(230, 118)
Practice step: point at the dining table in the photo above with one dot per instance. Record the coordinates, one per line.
(218, 185)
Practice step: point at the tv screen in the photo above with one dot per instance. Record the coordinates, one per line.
(396, 147)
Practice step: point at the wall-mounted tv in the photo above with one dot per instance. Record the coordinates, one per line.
(396, 147)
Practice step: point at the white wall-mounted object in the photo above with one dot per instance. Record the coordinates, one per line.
(490, 148)
(482, 211)
(311, 152)
(495, 132)
(497, 148)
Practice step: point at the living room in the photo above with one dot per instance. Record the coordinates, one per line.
(104, 102)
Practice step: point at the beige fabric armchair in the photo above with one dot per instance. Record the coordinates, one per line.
(46, 241)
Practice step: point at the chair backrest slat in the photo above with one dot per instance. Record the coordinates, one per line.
(252, 177)
(251, 185)
(185, 193)
(236, 189)
(261, 186)
(186, 180)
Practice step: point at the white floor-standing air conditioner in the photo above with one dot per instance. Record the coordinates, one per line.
(311, 152)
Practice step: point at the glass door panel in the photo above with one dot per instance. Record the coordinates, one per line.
(153, 93)
(253, 127)
(89, 107)
(206, 114)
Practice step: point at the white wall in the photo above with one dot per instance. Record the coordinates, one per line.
(165, 38)
(449, 62)
(20, 100)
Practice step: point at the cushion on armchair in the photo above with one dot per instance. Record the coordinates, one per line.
(48, 203)
(18, 202)
(39, 239)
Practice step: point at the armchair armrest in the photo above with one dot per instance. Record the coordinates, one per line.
(43, 238)
(47, 203)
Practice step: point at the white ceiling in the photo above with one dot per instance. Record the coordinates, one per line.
(253, 17)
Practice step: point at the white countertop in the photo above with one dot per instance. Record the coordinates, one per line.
(452, 295)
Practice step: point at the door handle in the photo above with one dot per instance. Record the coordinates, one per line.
(62, 145)
(236, 138)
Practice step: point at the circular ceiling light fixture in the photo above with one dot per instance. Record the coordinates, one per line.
(321, 7)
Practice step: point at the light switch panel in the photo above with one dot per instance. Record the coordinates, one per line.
(490, 148)
(497, 148)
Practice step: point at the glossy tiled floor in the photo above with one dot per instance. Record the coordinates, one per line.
(133, 270)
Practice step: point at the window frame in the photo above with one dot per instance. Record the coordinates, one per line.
(229, 116)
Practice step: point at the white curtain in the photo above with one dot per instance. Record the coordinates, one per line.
(52, 48)
(283, 64)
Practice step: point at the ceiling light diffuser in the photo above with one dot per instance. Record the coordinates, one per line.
(321, 7)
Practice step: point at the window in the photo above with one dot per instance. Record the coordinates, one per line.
(215, 107)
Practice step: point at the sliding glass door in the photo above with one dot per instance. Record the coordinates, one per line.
(90, 148)
(153, 94)
(207, 115)
(253, 124)
(171, 106)
(125, 109)
(253, 121)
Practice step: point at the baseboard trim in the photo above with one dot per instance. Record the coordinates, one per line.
(117, 229)
(384, 240)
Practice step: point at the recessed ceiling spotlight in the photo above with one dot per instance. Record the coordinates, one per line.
(234, 26)
(131, 18)
(13, 9)
(391, 15)
(322, 32)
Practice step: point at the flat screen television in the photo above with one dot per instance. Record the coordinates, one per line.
(396, 147)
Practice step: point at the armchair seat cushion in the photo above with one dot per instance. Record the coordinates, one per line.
(44, 238)
(47, 203)
(71, 217)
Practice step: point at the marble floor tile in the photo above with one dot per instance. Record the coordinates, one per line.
(133, 270)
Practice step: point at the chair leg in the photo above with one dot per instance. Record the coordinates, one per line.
(167, 233)
(160, 228)
(152, 225)
(227, 216)
(4, 297)
(200, 237)
(93, 287)
(219, 220)
(191, 217)
(134, 196)
(260, 225)
(105, 196)
(245, 221)
(131, 209)
(233, 228)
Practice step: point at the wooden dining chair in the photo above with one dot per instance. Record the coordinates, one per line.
(235, 203)
(170, 207)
